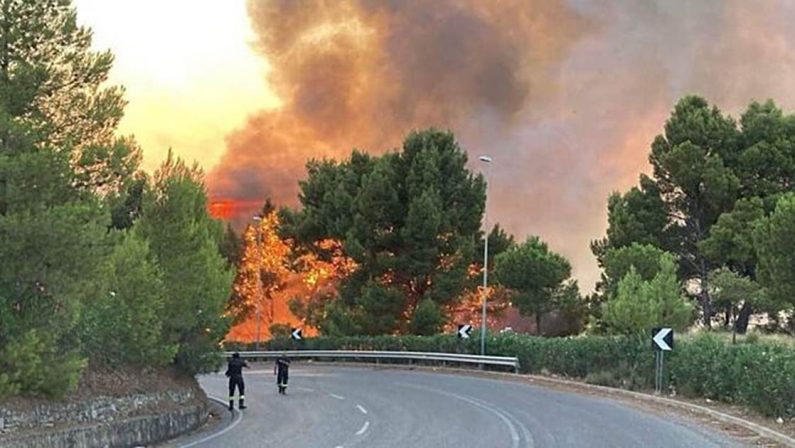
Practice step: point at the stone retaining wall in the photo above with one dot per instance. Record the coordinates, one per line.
(125, 421)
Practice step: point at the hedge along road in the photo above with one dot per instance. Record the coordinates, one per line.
(330, 406)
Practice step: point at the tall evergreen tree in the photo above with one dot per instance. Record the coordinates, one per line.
(410, 220)
(51, 80)
(53, 240)
(538, 277)
(775, 245)
(57, 149)
(694, 182)
(185, 240)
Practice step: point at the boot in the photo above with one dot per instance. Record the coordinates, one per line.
(242, 404)
(231, 405)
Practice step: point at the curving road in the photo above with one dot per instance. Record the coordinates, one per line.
(329, 406)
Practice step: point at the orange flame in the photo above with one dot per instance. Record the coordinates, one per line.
(271, 274)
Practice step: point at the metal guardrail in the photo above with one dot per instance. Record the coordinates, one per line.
(507, 361)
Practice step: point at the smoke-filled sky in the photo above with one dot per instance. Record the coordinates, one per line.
(566, 95)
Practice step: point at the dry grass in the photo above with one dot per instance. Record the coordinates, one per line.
(752, 337)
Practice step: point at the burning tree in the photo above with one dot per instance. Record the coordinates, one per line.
(288, 283)
(262, 274)
(322, 268)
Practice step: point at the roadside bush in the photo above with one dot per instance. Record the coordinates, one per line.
(32, 365)
(760, 376)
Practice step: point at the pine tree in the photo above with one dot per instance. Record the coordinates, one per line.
(124, 323)
(52, 81)
(57, 148)
(410, 220)
(640, 305)
(185, 240)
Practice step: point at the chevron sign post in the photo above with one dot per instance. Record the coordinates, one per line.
(296, 334)
(464, 330)
(662, 340)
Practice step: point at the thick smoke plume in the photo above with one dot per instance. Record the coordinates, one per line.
(566, 95)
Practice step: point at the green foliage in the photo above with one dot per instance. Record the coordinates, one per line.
(32, 364)
(638, 216)
(535, 275)
(378, 308)
(184, 240)
(646, 259)
(641, 305)
(231, 246)
(427, 319)
(66, 179)
(694, 181)
(730, 242)
(409, 219)
(766, 166)
(125, 206)
(776, 251)
(51, 81)
(713, 182)
(731, 290)
(755, 375)
(123, 325)
(52, 239)
(499, 242)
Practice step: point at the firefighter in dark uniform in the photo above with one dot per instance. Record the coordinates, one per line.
(234, 370)
(282, 372)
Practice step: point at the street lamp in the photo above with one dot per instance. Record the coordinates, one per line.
(258, 220)
(487, 160)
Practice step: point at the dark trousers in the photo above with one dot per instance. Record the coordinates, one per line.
(236, 381)
(281, 377)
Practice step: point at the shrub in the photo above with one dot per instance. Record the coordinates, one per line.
(32, 365)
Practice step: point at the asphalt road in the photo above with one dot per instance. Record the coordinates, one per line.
(329, 406)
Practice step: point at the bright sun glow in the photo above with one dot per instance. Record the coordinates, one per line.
(189, 69)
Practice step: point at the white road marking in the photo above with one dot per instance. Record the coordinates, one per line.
(338, 397)
(293, 373)
(364, 428)
(235, 422)
(504, 416)
(364, 411)
(305, 389)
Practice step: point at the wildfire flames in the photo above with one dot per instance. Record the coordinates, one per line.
(271, 274)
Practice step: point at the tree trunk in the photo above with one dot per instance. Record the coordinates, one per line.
(538, 323)
(706, 305)
(728, 316)
(741, 324)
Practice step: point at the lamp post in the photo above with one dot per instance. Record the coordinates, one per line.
(487, 160)
(257, 223)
